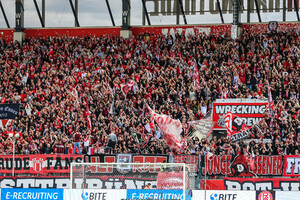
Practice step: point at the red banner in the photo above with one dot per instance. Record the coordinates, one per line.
(251, 113)
(291, 165)
(262, 184)
(225, 165)
(190, 160)
(38, 164)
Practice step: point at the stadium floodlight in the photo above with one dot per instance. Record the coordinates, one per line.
(159, 176)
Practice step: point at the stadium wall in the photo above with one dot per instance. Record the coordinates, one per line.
(7, 34)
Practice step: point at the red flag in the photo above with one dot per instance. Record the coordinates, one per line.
(170, 128)
(88, 116)
(196, 78)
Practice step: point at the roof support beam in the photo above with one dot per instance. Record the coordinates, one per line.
(182, 11)
(110, 13)
(220, 11)
(146, 12)
(4, 15)
(39, 13)
(257, 10)
(296, 9)
(74, 13)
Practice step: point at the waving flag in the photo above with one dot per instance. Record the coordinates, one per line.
(170, 128)
(196, 78)
(127, 87)
(271, 103)
(228, 123)
(88, 116)
(236, 127)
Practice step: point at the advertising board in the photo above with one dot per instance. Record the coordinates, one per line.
(158, 194)
(37, 194)
(223, 195)
(94, 194)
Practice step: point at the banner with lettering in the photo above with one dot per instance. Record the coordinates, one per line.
(250, 112)
(9, 111)
(291, 165)
(38, 164)
(233, 166)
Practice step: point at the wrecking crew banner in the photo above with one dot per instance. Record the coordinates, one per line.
(9, 111)
(250, 112)
(39, 163)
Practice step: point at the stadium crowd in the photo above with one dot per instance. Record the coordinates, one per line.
(60, 82)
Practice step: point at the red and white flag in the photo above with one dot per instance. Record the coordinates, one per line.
(88, 116)
(210, 155)
(127, 87)
(196, 78)
(4, 123)
(170, 128)
(228, 123)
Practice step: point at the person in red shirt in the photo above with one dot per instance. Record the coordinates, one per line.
(77, 142)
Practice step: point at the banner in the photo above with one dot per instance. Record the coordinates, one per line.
(250, 112)
(232, 166)
(9, 111)
(190, 160)
(37, 194)
(291, 165)
(39, 163)
(158, 194)
(262, 184)
(94, 194)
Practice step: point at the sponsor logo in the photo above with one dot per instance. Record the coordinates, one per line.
(85, 196)
(215, 196)
(94, 196)
(265, 195)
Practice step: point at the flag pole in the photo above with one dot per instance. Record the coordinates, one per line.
(205, 177)
(13, 164)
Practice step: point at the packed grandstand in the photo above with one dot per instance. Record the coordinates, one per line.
(70, 91)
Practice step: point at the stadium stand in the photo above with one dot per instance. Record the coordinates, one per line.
(58, 80)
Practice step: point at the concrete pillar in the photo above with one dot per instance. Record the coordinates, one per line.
(19, 36)
(126, 34)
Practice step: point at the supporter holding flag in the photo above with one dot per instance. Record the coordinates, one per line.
(170, 128)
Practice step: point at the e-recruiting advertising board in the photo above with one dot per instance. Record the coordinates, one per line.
(158, 194)
(36, 194)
